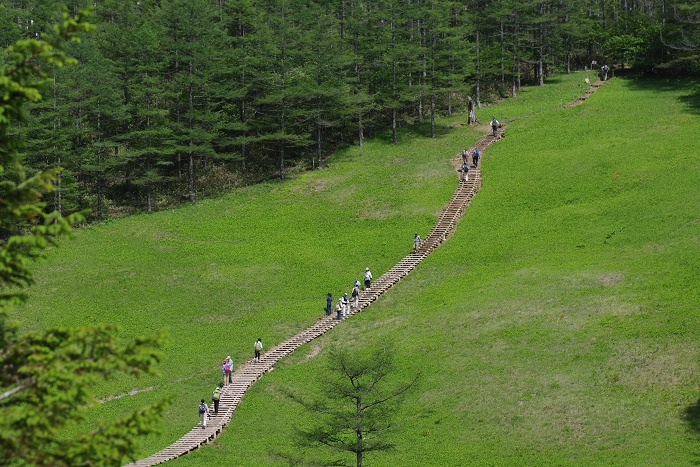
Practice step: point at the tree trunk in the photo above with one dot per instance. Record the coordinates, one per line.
(394, 132)
(99, 161)
(478, 70)
(190, 169)
(503, 65)
(540, 56)
(432, 88)
(243, 119)
(358, 433)
(568, 54)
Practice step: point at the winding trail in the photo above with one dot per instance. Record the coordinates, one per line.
(250, 372)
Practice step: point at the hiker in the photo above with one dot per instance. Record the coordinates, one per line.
(494, 125)
(339, 308)
(357, 283)
(203, 409)
(465, 170)
(465, 155)
(475, 157)
(368, 278)
(258, 348)
(215, 397)
(227, 370)
(345, 302)
(329, 304)
(417, 242)
(230, 364)
(355, 296)
(604, 72)
(224, 370)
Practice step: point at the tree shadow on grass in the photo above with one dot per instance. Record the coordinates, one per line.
(670, 84)
(691, 415)
(412, 131)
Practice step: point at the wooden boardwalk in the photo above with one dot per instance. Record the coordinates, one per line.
(249, 372)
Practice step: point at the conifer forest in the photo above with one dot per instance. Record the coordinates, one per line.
(172, 100)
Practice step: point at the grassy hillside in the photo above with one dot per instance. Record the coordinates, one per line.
(559, 325)
(555, 327)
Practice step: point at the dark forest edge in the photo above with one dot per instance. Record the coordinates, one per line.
(178, 99)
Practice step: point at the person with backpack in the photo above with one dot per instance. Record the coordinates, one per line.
(215, 397)
(329, 304)
(203, 409)
(465, 171)
(258, 348)
(417, 242)
(356, 297)
(494, 126)
(223, 371)
(339, 308)
(227, 369)
(475, 157)
(465, 155)
(368, 278)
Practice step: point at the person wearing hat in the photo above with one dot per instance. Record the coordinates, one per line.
(227, 369)
(215, 397)
(417, 242)
(339, 308)
(346, 310)
(368, 278)
(229, 362)
(494, 125)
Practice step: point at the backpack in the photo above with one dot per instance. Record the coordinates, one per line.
(227, 368)
(215, 395)
(202, 408)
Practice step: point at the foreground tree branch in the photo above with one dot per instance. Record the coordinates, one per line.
(45, 377)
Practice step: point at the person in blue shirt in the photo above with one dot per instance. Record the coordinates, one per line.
(475, 157)
(465, 170)
(417, 242)
(329, 303)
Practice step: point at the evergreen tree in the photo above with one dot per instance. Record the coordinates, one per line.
(193, 39)
(47, 376)
(150, 139)
(358, 399)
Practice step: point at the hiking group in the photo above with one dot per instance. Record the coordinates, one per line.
(476, 154)
(345, 303)
(205, 411)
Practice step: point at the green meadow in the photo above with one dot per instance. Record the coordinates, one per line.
(557, 327)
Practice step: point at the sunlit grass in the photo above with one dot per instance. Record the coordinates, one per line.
(557, 327)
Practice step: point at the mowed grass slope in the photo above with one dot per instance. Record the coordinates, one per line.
(559, 326)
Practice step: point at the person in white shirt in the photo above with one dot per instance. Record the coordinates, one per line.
(368, 278)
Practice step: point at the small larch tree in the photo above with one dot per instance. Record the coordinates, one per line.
(360, 396)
